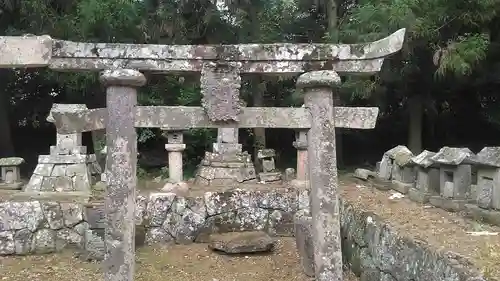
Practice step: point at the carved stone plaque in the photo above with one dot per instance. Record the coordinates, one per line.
(220, 87)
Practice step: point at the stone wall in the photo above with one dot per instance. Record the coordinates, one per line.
(44, 227)
(376, 252)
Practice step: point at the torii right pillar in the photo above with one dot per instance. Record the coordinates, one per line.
(324, 199)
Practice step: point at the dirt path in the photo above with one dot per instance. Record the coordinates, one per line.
(177, 263)
(436, 226)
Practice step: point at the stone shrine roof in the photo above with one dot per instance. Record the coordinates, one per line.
(400, 154)
(423, 159)
(452, 156)
(488, 156)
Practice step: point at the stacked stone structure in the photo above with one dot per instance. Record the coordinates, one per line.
(68, 167)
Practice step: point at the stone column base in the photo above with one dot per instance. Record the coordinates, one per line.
(76, 172)
(304, 241)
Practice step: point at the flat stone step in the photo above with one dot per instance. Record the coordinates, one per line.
(242, 242)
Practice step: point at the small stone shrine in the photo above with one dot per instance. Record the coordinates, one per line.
(269, 172)
(455, 176)
(68, 167)
(427, 178)
(487, 162)
(11, 176)
(393, 165)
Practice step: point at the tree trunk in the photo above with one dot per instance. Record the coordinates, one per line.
(332, 14)
(6, 145)
(415, 114)
(258, 88)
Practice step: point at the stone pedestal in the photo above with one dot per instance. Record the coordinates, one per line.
(227, 164)
(71, 172)
(175, 147)
(68, 167)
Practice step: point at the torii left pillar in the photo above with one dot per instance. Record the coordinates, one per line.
(121, 163)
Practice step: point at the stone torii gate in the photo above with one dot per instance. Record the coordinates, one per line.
(121, 65)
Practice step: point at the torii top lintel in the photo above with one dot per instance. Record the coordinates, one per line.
(43, 51)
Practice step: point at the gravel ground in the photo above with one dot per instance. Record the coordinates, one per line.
(177, 263)
(442, 229)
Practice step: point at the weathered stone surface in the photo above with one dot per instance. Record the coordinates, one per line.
(400, 154)
(94, 246)
(450, 205)
(270, 177)
(179, 188)
(375, 251)
(423, 159)
(220, 87)
(489, 156)
(401, 187)
(290, 174)
(182, 223)
(20, 215)
(266, 153)
(121, 172)
(241, 242)
(303, 239)
(7, 243)
(483, 215)
(44, 241)
(25, 51)
(452, 155)
(73, 172)
(23, 243)
(187, 117)
(323, 173)
(11, 161)
(156, 235)
(269, 58)
(363, 174)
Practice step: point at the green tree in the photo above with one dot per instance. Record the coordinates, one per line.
(444, 43)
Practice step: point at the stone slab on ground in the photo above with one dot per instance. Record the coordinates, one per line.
(241, 242)
(364, 174)
(401, 187)
(451, 205)
(418, 196)
(381, 184)
(484, 215)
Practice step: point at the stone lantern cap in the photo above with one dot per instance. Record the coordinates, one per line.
(11, 161)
